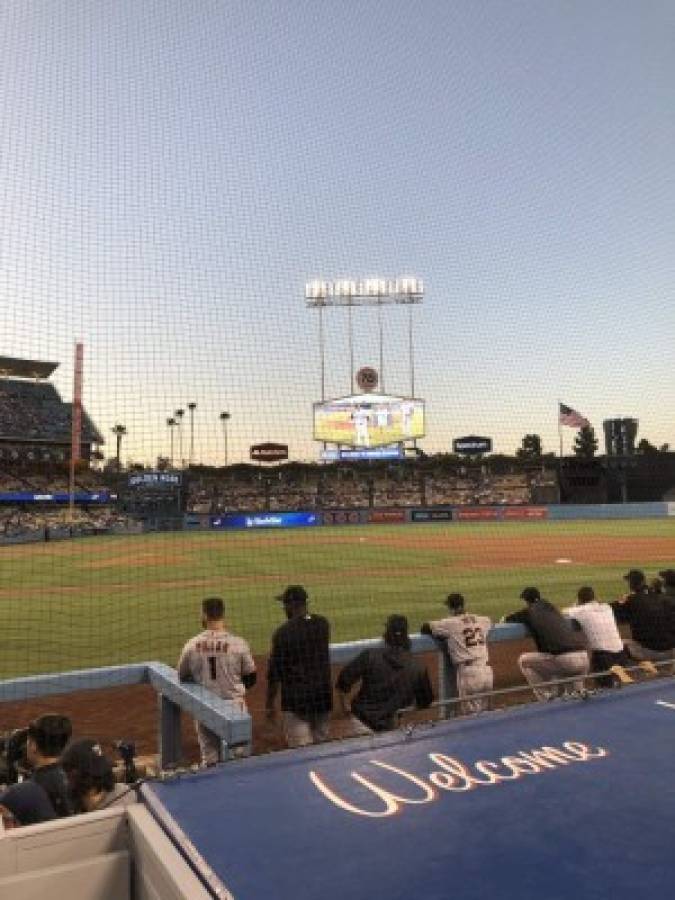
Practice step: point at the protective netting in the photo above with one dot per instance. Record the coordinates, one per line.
(282, 233)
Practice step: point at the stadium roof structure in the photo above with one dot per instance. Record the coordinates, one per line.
(25, 368)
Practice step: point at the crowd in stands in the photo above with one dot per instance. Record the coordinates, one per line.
(34, 411)
(247, 489)
(30, 520)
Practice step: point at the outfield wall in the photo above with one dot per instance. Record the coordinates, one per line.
(421, 515)
(242, 521)
(613, 511)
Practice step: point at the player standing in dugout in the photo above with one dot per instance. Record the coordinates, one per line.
(299, 664)
(220, 661)
(464, 638)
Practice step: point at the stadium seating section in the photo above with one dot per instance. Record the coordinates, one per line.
(35, 411)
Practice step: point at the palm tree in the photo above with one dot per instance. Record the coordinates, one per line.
(192, 407)
(179, 421)
(224, 417)
(119, 431)
(171, 423)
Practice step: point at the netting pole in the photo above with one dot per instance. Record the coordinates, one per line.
(76, 425)
(381, 338)
(350, 327)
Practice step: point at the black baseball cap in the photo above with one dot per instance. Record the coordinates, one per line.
(294, 593)
(397, 626)
(635, 577)
(51, 732)
(454, 601)
(86, 757)
(668, 576)
(530, 594)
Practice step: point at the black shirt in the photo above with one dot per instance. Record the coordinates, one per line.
(300, 660)
(54, 782)
(552, 632)
(391, 679)
(650, 618)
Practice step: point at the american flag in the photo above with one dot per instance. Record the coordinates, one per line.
(572, 418)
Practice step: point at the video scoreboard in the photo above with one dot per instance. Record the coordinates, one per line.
(369, 420)
(154, 495)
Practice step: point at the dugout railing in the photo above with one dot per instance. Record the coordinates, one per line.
(222, 717)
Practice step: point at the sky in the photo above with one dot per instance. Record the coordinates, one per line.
(171, 174)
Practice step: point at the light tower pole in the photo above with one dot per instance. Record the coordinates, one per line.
(406, 290)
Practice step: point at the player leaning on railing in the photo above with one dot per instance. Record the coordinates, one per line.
(220, 661)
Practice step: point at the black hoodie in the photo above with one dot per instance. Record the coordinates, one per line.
(391, 679)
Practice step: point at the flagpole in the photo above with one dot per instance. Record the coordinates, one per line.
(560, 434)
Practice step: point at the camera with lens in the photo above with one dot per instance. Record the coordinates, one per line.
(127, 750)
(13, 761)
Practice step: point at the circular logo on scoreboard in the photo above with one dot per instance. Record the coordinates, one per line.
(367, 379)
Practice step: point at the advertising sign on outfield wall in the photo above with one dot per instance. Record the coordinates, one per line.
(431, 515)
(477, 514)
(500, 513)
(525, 512)
(386, 516)
(344, 517)
(265, 520)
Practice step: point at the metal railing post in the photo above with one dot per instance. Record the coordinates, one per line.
(170, 743)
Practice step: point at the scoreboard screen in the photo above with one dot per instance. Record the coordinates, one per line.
(154, 494)
(369, 420)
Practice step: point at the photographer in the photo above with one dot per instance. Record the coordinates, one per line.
(47, 736)
(25, 804)
(13, 762)
(90, 777)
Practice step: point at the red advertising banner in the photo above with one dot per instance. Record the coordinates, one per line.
(387, 516)
(478, 514)
(525, 512)
(76, 435)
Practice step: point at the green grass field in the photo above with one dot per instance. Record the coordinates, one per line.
(111, 600)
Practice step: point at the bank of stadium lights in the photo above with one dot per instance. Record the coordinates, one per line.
(407, 289)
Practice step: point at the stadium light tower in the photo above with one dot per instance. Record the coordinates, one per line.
(407, 290)
(224, 418)
(192, 407)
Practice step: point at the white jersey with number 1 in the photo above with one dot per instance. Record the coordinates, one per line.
(217, 660)
(465, 637)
